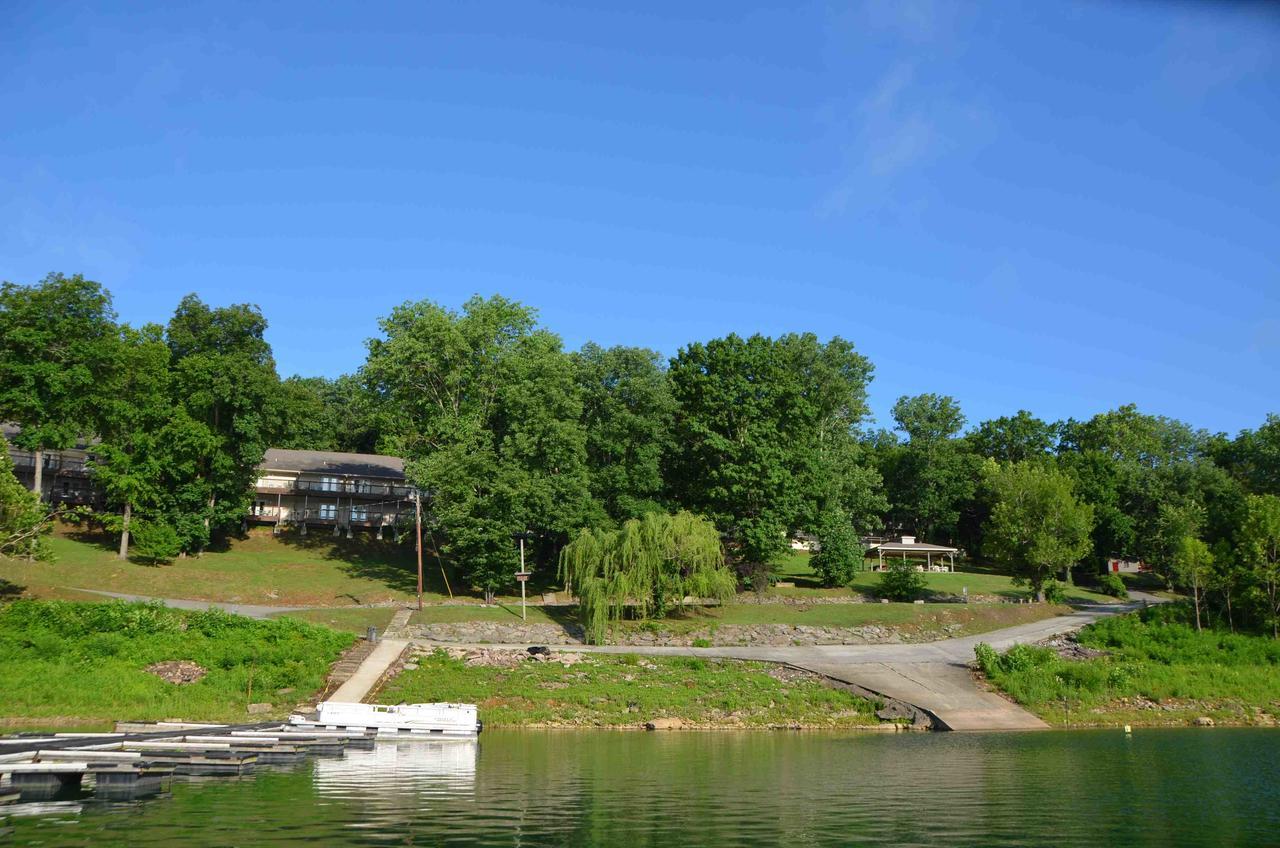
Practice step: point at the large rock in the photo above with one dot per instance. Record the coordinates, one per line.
(664, 724)
(259, 709)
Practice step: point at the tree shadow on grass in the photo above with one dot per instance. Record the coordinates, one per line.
(394, 564)
(94, 538)
(10, 591)
(567, 618)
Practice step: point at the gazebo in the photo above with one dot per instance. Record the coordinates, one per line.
(907, 546)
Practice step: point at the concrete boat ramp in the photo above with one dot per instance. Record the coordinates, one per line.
(139, 760)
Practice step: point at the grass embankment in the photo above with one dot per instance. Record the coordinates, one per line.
(795, 567)
(78, 664)
(911, 620)
(314, 570)
(1158, 671)
(602, 690)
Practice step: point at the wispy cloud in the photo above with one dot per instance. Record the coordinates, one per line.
(908, 114)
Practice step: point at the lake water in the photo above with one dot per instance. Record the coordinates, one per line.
(1089, 788)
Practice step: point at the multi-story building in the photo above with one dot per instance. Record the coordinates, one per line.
(299, 488)
(331, 489)
(65, 478)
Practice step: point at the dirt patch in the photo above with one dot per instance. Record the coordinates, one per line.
(1069, 649)
(177, 671)
(504, 657)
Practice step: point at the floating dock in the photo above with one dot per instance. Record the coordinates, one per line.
(140, 759)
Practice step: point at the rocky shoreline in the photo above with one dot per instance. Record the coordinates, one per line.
(725, 635)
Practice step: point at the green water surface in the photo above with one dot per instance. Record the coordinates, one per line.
(1216, 787)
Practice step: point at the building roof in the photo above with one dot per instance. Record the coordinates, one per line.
(334, 462)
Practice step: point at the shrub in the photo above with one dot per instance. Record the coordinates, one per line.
(901, 582)
(839, 556)
(1024, 658)
(1111, 584)
(153, 542)
(1054, 592)
(988, 659)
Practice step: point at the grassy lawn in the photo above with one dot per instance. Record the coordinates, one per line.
(505, 614)
(795, 567)
(348, 619)
(316, 570)
(910, 619)
(1158, 671)
(625, 691)
(76, 664)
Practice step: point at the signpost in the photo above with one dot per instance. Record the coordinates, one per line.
(522, 576)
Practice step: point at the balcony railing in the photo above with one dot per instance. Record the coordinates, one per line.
(357, 488)
(53, 464)
(346, 515)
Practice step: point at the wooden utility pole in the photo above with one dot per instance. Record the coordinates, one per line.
(417, 520)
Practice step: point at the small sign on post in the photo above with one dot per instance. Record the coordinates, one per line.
(522, 576)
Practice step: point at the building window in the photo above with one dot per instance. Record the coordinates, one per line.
(328, 484)
(328, 511)
(359, 513)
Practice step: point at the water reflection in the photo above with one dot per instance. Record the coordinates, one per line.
(1160, 788)
(400, 768)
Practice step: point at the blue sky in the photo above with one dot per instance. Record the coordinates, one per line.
(1053, 206)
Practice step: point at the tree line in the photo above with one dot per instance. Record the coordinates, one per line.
(505, 431)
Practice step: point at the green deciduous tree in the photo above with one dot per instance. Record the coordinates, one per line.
(129, 461)
(627, 410)
(1037, 526)
(489, 418)
(56, 341)
(647, 566)
(1254, 457)
(765, 437)
(934, 474)
(1015, 438)
(308, 420)
(1260, 550)
(839, 556)
(227, 413)
(1193, 569)
(24, 521)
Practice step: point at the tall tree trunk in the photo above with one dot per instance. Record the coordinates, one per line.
(1195, 597)
(1230, 621)
(124, 531)
(37, 473)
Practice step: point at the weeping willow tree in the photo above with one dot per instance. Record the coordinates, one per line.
(647, 566)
